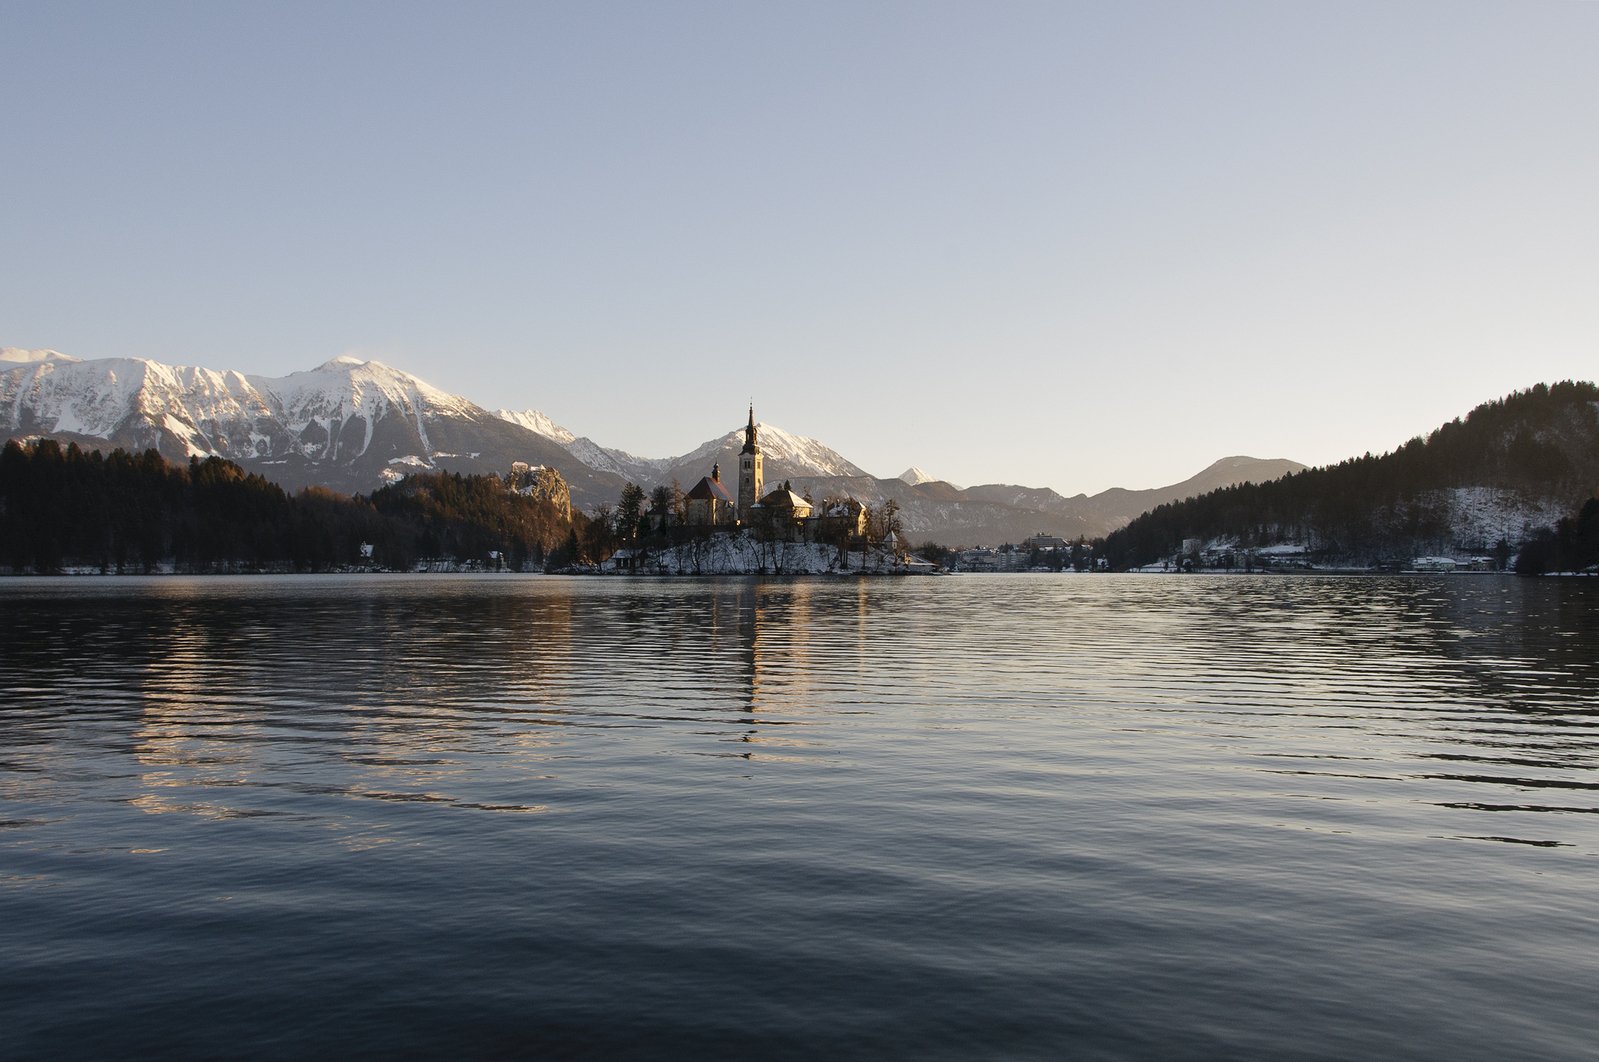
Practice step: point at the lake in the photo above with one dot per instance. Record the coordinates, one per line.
(969, 817)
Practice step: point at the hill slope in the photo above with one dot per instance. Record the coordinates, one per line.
(348, 424)
(1507, 469)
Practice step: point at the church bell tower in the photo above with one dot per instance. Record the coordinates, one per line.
(749, 471)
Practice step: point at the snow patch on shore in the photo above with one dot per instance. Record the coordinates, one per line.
(744, 555)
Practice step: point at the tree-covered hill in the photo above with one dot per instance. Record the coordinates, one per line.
(1483, 482)
(442, 514)
(121, 512)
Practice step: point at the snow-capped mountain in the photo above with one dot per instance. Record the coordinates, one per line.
(354, 425)
(641, 470)
(785, 455)
(348, 424)
(536, 420)
(19, 356)
(916, 477)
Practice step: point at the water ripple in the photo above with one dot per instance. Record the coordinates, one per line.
(1018, 817)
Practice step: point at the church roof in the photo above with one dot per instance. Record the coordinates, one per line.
(783, 498)
(707, 489)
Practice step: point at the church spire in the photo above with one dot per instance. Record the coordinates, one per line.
(750, 478)
(750, 445)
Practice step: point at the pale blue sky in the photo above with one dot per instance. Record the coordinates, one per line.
(1066, 244)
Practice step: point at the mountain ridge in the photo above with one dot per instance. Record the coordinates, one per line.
(347, 424)
(352, 425)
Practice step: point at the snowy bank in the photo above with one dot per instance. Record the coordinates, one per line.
(743, 554)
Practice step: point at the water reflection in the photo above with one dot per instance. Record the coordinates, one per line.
(438, 690)
(1271, 817)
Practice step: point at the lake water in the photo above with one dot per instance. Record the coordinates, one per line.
(1001, 817)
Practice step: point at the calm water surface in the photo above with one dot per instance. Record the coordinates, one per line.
(1025, 817)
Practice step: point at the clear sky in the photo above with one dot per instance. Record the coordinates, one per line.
(1064, 244)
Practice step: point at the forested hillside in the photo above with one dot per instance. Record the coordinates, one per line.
(70, 508)
(1572, 545)
(1477, 485)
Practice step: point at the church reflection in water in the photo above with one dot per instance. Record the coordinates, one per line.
(403, 687)
(232, 692)
(794, 642)
(228, 700)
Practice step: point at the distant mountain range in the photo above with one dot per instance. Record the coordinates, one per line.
(353, 425)
(349, 425)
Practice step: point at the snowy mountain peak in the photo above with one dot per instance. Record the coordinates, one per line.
(801, 455)
(535, 420)
(348, 387)
(20, 356)
(915, 476)
(330, 412)
(102, 398)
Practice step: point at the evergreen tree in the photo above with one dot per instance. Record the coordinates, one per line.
(630, 512)
(123, 512)
(1541, 442)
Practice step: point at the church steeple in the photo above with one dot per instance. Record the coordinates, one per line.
(750, 445)
(749, 471)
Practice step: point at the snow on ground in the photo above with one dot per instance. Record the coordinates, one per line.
(1484, 515)
(743, 555)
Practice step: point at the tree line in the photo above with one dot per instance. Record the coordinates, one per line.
(1572, 545)
(1538, 443)
(121, 512)
(658, 519)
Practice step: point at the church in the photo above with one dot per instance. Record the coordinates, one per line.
(780, 512)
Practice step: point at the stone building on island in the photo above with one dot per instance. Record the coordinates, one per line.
(708, 504)
(780, 513)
